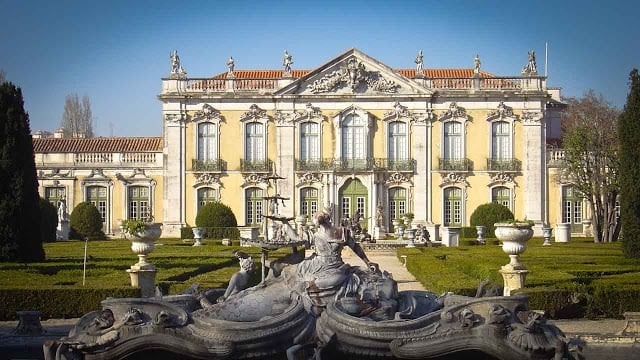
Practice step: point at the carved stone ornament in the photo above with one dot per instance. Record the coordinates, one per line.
(398, 111)
(427, 116)
(55, 173)
(501, 112)
(397, 178)
(310, 112)
(501, 178)
(173, 118)
(453, 179)
(208, 112)
(283, 117)
(254, 179)
(97, 173)
(454, 112)
(531, 117)
(309, 179)
(353, 75)
(207, 179)
(254, 113)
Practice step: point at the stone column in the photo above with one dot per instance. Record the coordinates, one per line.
(173, 204)
(534, 168)
(420, 149)
(285, 167)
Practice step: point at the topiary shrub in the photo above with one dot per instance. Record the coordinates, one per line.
(489, 214)
(85, 222)
(48, 221)
(216, 215)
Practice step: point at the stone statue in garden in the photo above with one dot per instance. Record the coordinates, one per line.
(62, 211)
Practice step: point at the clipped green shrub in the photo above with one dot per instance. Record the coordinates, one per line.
(186, 232)
(468, 232)
(85, 221)
(221, 233)
(215, 215)
(58, 303)
(48, 221)
(489, 214)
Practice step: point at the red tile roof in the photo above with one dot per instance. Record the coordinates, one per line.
(410, 73)
(100, 144)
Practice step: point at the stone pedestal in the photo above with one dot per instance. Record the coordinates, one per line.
(248, 234)
(143, 278)
(513, 277)
(62, 231)
(379, 233)
(28, 323)
(632, 324)
(434, 232)
(450, 236)
(563, 233)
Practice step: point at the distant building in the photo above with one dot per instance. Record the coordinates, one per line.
(352, 134)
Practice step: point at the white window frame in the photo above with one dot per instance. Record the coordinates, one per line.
(338, 121)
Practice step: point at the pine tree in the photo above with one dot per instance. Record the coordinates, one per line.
(629, 130)
(19, 208)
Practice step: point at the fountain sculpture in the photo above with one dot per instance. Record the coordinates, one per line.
(316, 307)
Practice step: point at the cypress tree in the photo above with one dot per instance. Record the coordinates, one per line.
(629, 132)
(19, 208)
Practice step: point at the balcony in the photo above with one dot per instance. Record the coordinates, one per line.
(255, 165)
(555, 157)
(455, 164)
(367, 164)
(504, 165)
(208, 165)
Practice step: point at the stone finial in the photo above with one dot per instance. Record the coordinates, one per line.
(419, 64)
(531, 68)
(287, 61)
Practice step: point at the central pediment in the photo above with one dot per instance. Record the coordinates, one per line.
(353, 72)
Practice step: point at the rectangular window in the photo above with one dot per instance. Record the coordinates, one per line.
(346, 207)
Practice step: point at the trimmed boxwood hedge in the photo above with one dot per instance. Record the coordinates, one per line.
(58, 303)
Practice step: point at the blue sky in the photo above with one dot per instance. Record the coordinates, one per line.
(115, 52)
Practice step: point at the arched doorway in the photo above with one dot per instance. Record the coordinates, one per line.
(354, 196)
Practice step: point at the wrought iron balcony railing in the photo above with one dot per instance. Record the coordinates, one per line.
(366, 164)
(208, 165)
(463, 164)
(256, 165)
(504, 165)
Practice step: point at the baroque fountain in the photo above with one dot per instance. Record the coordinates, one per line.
(315, 307)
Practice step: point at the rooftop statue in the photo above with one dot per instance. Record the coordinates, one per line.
(231, 64)
(316, 305)
(476, 64)
(419, 64)
(287, 61)
(531, 68)
(176, 68)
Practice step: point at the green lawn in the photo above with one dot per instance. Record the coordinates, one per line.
(579, 278)
(179, 265)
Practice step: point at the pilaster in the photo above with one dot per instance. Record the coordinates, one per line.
(534, 167)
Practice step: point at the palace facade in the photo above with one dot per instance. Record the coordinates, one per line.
(351, 134)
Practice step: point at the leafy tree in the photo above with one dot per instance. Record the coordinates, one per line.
(215, 214)
(629, 129)
(19, 211)
(48, 221)
(489, 214)
(591, 163)
(85, 222)
(77, 119)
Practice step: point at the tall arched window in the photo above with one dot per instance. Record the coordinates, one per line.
(501, 195)
(254, 206)
(254, 142)
(572, 208)
(206, 195)
(452, 206)
(97, 195)
(207, 142)
(309, 141)
(398, 147)
(138, 197)
(453, 140)
(354, 140)
(309, 202)
(501, 141)
(397, 204)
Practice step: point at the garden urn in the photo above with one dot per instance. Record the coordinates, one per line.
(514, 237)
(142, 243)
(480, 231)
(198, 232)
